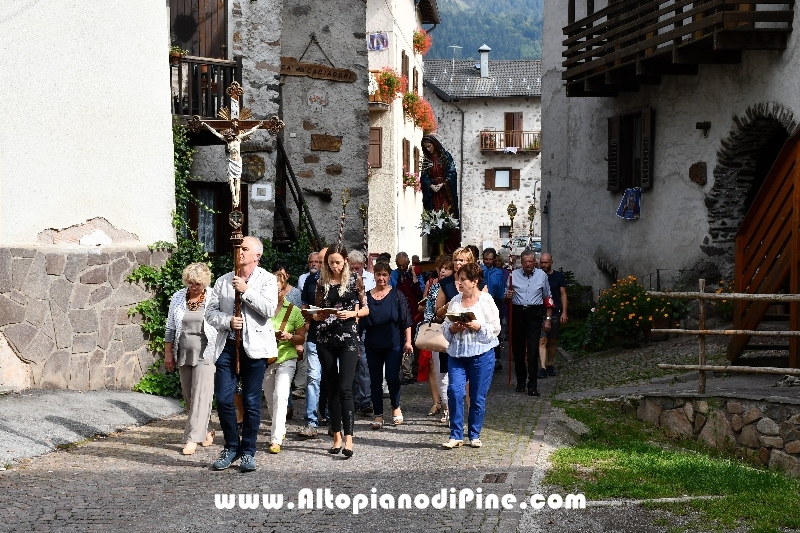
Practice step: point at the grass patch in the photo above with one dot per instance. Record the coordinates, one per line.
(622, 458)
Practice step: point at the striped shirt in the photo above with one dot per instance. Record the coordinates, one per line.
(471, 343)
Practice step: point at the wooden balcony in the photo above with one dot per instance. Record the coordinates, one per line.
(631, 43)
(511, 141)
(199, 83)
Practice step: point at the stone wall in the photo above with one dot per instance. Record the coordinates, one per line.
(64, 319)
(339, 27)
(762, 431)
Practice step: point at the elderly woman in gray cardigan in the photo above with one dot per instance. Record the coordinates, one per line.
(189, 344)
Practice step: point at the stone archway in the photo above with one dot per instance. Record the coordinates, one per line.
(743, 161)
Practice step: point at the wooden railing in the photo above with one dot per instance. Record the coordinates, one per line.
(768, 248)
(199, 83)
(634, 42)
(285, 180)
(501, 141)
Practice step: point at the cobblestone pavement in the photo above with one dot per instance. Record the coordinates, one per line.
(137, 480)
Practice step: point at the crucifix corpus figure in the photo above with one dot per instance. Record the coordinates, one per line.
(233, 144)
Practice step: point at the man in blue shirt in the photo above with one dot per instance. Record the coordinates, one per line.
(528, 291)
(496, 282)
(312, 418)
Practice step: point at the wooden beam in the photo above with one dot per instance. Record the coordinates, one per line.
(739, 369)
(694, 55)
(660, 67)
(598, 84)
(756, 39)
(628, 77)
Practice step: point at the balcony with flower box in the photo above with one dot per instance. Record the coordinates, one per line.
(511, 141)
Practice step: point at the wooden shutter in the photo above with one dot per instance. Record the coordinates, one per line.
(415, 87)
(404, 64)
(513, 129)
(488, 179)
(613, 154)
(406, 153)
(515, 177)
(647, 148)
(375, 147)
(416, 160)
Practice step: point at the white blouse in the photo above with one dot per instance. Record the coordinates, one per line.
(470, 343)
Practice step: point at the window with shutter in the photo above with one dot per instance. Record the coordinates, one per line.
(647, 148)
(613, 154)
(406, 154)
(375, 147)
(416, 161)
(404, 64)
(415, 84)
(488, 179)
(630, 150)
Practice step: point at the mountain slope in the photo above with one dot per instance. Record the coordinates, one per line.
(511, 28)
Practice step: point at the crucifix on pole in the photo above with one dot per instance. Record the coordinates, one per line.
(234, 126)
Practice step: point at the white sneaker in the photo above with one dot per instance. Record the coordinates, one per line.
(476, 443)
(452, 443)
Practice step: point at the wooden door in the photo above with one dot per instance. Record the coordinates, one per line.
(513, 130)
(200, 26)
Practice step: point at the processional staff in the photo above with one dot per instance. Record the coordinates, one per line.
(232, 129)
(512, 212)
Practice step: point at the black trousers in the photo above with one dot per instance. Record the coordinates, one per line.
(339, 380)
(526, 327)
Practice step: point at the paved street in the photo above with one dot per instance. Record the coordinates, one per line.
(138, 480)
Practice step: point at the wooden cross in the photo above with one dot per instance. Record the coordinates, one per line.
(234, 126)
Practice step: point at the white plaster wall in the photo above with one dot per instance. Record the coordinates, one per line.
(87, 127)
(394, 212)
(484, 211)
(673, 224)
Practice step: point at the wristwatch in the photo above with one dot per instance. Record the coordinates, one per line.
(548, 318)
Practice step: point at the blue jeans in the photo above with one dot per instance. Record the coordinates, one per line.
(225, 381)
(478, 371)
(361, 383)
(312, 386)
(391, 357)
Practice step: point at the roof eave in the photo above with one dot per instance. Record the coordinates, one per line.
(429, 12)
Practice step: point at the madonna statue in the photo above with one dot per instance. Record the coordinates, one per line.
(438, 178)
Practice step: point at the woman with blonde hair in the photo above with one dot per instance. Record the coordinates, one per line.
(341, 301)
(290, 332)
(189, 343)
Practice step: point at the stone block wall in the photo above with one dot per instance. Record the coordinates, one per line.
(64, 319)
(763, 431)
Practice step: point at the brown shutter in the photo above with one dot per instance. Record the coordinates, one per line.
(415, 87)
(613, 154)
(647, 148)
(404, 64)
(375, 147)
(200, 26)
(515, 178)
(416, 160)
(488, 179)
(406, 153)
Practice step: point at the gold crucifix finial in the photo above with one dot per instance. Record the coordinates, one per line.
(362, 209)
(345, 198)
(235, 91)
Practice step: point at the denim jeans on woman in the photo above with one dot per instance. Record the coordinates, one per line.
(478, 370)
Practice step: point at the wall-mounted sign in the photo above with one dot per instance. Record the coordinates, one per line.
(317, 99)
(378, 41)
(326, 143)
(292, 67)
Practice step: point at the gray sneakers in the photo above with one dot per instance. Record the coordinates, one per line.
(248, 463)
(226, 457)
(308, 431)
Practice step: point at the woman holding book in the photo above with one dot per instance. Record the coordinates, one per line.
(340, 301)
(471, 326)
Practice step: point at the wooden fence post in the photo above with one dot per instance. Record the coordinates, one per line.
(701, 339)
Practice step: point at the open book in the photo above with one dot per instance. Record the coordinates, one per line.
(461, 317)
(315, 309)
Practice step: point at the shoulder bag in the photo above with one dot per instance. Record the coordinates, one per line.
(431, 338)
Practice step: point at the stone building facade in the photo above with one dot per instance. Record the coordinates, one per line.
(716, 131)
(498, 159)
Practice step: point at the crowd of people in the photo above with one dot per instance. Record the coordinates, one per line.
(344, 339)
